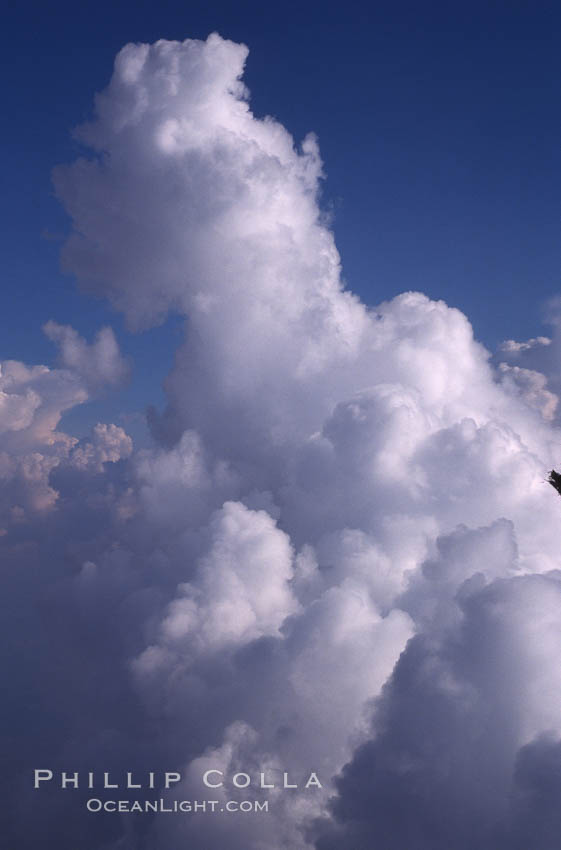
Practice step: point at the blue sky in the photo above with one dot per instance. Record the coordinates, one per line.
(438, 125)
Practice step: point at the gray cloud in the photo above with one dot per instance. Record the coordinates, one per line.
(98, 364)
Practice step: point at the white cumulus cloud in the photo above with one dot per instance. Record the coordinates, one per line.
(341, 549)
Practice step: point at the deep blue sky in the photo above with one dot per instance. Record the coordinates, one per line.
(438, 125)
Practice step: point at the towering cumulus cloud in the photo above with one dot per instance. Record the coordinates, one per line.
(340, 556)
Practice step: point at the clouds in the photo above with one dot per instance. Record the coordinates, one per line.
(242, 251)
(97, 364)
(531, 386)
(464, 708)
(32, 402)
(533, 365)
(340, 549)
(176, 125)
(109, 444)
(241, 591)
